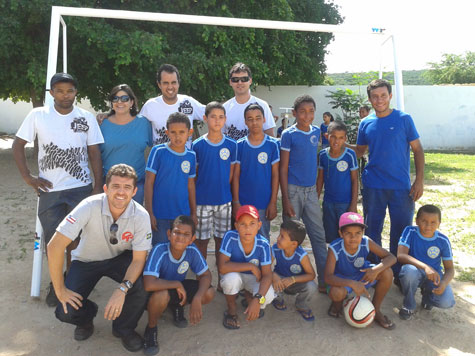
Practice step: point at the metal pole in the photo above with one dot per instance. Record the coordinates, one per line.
(398, 79)
(65, 47)
(52, 51)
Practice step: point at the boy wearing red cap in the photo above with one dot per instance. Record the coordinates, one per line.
(244, 262)
(348, 269)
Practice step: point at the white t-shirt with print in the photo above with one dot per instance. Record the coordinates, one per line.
(62, 144)
(235, 126)
(157, 111)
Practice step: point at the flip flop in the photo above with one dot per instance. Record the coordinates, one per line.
(231, 322)
(332, 313)
(306, 314)
(279, 304)
(386, 323)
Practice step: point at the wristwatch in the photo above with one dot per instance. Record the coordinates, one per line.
(122, 289)
(128, 283)
(260, 298)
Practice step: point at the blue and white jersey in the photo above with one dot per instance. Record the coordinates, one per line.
(337, 174)
(256, 163)
(161, 264)
(348, 266)
(388, 141)
(323, 131)
(288, 266)
(430, 250)
(302, 147)
(172, 171)
(214, 162)
(259, 256)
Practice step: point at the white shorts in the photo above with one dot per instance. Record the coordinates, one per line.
(213, 220)
(233, 282)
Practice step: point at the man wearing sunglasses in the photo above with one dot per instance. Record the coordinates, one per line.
(115, 238)
(240, 79)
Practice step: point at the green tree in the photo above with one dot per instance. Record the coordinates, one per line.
(105, 52)
(453, 69)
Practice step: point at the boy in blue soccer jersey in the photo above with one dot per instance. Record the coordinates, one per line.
(293, 272)
(338, 172)
(169, 180)
(216, 156)
(421, 251)
(348, 268)
(164, 276)
(245, 263)
(298, 177)
(256, 175)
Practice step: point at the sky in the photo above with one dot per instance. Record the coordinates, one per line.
(423, 29)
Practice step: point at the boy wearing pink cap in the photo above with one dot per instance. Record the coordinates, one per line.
(348, 269)
(244, 262)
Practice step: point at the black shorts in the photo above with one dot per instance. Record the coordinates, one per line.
(191, 287)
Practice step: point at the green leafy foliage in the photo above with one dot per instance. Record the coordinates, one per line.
(105, 52)
(409, 77)
(453, 69)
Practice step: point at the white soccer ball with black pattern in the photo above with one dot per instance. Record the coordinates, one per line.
(359, 312)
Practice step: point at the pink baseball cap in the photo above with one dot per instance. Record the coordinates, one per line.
(247, 209)
(351, 218)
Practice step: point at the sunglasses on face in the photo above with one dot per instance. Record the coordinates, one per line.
(123, 98)
(240, 79)
(113, 234)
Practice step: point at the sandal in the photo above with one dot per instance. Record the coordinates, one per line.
(230, 321)
(385, 323)
(306, 314)
(331, 312)
(279, 304)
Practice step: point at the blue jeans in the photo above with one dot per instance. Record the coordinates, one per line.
(401, 213)
(412, 278)
(163, 225)
(331, 217)
(265, 228)
(306, 206)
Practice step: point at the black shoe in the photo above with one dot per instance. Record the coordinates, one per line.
(150, 342)
(406, 314)
(132, 342)
(178, 317)
(51, 299)
(83, 332)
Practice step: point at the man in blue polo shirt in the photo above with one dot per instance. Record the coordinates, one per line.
(389, 135)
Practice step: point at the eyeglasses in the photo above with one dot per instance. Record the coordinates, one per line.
(123, 98)
(240, 79)
(113, 231)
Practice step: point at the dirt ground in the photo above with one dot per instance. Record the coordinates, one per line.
(28, 326)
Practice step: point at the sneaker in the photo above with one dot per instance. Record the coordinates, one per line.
(426, 305)
(150, 343)
(83, 332)
(405, 314)
(132, 342)
(51, 299)
(178, 317)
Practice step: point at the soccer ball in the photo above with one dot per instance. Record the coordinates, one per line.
(359, 312)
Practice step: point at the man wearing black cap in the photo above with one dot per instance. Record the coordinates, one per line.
(68, 139)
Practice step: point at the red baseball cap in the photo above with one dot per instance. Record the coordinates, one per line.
(351, 218)
(247, 209)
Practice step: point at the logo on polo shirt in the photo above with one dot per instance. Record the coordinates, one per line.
(255, 262)
(224, 154)
(295, 269)
(433, 252)
(185, 166)
(71, 219)
(359, 262)
(314, 140)
(127, 236)
(79, 124)
(186, 107)
(183, 267)
(149, 236)
(342, 166)
(262, 157)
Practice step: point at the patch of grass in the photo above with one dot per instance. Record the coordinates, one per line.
(465, 274)
(465, 242)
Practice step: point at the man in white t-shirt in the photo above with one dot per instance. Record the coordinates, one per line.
(157, 110)
(116, 236)
(68, 140)
(240, 79)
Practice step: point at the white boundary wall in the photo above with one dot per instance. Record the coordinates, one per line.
(444, 115)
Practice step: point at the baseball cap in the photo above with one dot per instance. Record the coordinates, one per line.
(63, 78)
(351, 218)
(247, 209)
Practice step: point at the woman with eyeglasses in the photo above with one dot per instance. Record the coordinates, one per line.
(126, 135)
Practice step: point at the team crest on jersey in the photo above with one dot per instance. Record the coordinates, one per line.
(342, 166)
(183, 267)
(295, 268)
(255, 262)
(359, 262)
(262, 157)
(185, 167)
(314, 140)
(433, 252)
(224, 154)
(79, 124)
(185, 107)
